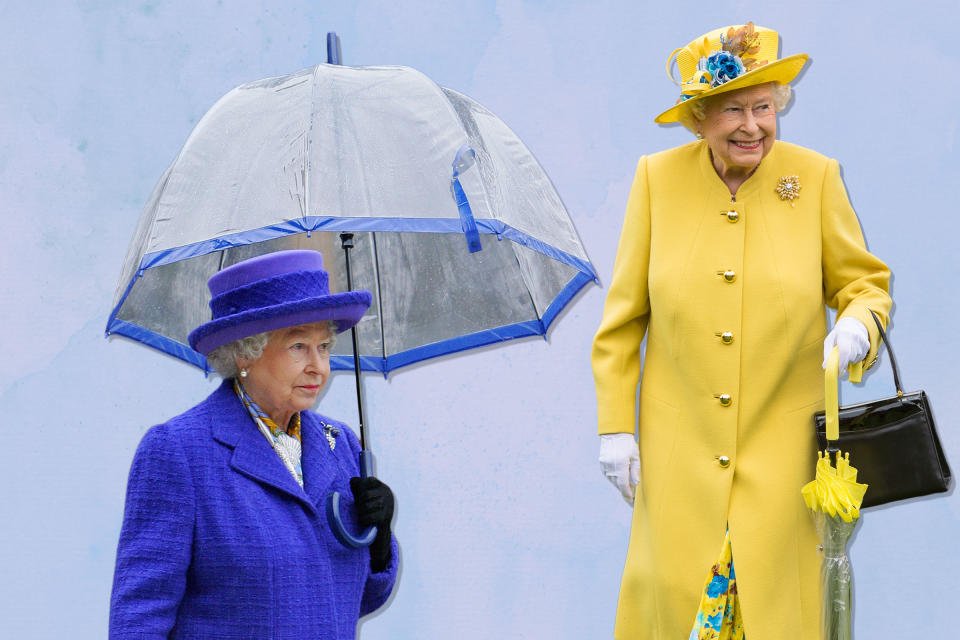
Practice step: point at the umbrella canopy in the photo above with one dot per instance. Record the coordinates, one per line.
(834, 497)
(409, 167)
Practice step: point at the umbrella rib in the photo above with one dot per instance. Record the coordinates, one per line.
(376, 275)
(523, 276)
(308, 145)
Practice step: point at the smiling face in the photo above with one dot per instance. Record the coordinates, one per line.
(740, 127)
(291, 372)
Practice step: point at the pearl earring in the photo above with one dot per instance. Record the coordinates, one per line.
(699, 136)
(243, 373)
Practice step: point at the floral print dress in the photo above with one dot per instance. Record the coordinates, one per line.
(719, 616)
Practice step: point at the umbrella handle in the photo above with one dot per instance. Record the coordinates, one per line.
(337, 526)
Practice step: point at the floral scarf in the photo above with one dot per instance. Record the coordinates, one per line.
(286, 442)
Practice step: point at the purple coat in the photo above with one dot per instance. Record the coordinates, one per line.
(219, 540)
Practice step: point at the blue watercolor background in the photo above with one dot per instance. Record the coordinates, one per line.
(507, 528)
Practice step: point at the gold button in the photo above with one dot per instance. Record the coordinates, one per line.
(724, 461)
(732, 216)
(725, 399)
(726, 337)
(729, 275)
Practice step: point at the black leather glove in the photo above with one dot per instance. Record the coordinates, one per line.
(373, 501)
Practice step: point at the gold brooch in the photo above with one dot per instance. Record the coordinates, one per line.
(788, 188)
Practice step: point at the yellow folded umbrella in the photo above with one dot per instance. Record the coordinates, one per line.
(835, 490)
(834, 498)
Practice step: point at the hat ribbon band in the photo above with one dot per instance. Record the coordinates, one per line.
(279, 289)
(694, 88)
(700, 82)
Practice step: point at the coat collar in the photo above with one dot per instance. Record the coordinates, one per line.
(752, 185)
(254, 457)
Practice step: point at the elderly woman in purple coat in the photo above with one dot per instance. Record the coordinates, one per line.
(224, 532)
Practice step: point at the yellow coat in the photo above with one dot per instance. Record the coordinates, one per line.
(782, 263)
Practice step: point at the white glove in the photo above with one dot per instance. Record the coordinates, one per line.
(852, 339)
(620, 462)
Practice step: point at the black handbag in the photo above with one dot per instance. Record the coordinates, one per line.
(893, 443)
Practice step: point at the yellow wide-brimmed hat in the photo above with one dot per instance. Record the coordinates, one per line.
(728, 59)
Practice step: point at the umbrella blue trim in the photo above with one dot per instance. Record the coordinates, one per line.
(472, 340)
(158, 342)
(463, 343)
(373, 363)
(578, 282)
(229, 241)
(521, 238)
(309, 224)
(367, 363)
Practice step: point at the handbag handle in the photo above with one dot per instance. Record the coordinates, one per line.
(893, 360)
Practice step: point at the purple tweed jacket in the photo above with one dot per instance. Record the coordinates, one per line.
(219, 541)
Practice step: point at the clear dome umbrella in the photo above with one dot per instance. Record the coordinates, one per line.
(457, 230)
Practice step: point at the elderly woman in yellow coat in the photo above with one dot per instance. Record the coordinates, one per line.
(731, 247)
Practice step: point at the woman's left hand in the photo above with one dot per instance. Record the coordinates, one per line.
(374, 504)
(850, 336)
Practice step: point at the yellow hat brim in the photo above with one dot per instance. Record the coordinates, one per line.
(783, 71)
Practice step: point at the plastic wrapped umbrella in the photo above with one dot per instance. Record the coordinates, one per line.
(834, 498)
(453, 225)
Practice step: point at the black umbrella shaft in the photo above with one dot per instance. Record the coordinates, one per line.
(346, 240)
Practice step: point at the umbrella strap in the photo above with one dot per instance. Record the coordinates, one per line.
(832, 393)
(467, 221)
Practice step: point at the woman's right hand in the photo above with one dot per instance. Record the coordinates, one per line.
(620, 462)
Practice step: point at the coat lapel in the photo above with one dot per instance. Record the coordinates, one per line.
(252, 454)
(320, 464)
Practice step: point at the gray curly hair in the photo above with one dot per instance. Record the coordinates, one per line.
(696, 110)
(224, 358)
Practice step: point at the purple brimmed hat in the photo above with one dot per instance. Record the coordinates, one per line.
(274, 291)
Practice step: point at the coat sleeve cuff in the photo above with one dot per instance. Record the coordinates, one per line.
(380, 585)
(856, 369)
